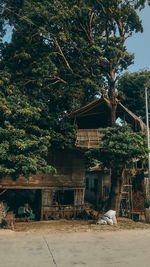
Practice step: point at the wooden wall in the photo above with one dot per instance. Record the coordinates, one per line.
(70, 173)
(49, 209)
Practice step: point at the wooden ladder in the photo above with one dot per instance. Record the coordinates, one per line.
(126, 204)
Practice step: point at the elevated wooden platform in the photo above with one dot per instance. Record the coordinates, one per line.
(88, 138)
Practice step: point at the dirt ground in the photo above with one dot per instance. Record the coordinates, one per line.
(53, 226)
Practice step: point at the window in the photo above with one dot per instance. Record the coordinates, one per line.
(65, 197)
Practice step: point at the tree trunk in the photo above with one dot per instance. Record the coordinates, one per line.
(112, 97)
(117, 181)
(113, 114)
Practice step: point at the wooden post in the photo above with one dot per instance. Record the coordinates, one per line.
(41, 204)
(46, 202)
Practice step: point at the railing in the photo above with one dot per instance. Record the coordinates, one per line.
(63, 211)
(88, 138)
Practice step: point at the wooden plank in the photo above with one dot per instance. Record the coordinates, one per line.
(88, 138)
(42, 211)
(70, 173)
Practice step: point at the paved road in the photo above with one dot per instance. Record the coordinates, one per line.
(91, 249)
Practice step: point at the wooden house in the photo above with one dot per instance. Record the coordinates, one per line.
(95, 115)
(50, 195)
(88, 120)
(61, 194)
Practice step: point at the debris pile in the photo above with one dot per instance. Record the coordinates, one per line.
(86, 215)
(7, 218)
(3, 212)
(108, 218)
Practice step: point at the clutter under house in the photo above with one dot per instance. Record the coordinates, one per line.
(49, 196)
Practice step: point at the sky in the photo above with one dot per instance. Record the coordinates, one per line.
(139, 44)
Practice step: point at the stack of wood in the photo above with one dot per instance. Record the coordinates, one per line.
(3, 212)
(7, 219)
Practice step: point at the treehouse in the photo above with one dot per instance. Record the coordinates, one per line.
(88, 120)
(97, 114)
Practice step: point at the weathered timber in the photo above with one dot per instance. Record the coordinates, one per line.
(68, 182)
(55, 211)
(88, 138)
(70, 174)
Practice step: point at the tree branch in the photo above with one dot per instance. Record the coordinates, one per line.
(54, 77)
(62, 54)
(51, 77)
(29, 81)
(86, 32)
(102, 6)
(91, 18)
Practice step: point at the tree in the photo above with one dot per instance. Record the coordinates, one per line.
(118, 147)
(120, 21)
(62, 53)
(77, 42)
(44, 52)
(42, 59)
(23, 143)
(131, 91)
(33, 61)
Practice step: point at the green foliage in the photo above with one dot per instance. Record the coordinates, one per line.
(67, 47)
(23, 143)
(60, 55)
(119, 146)
(131, 91)
(45, 45)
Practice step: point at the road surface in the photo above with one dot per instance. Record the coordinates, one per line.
(92, 249)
